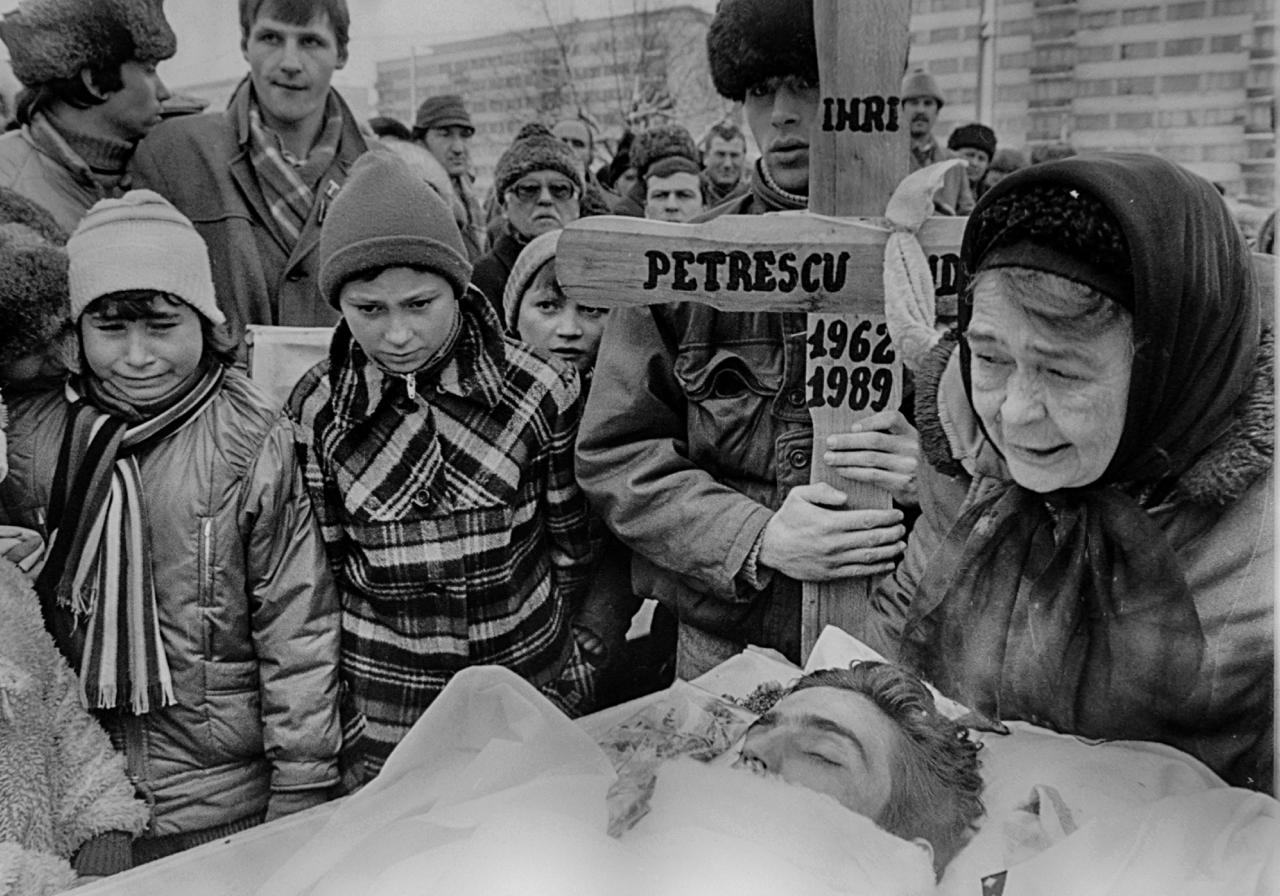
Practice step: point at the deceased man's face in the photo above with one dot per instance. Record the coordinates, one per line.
(831, 740)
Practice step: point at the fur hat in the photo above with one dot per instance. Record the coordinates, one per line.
(973, 136)
(533, 256)
(749, 41)
(52, 39)
(663, 142)
(535, 149)
(34, 310)
(387, 216)
(919, 82)
(139, 241)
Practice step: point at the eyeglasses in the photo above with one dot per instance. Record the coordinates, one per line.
(530, 192)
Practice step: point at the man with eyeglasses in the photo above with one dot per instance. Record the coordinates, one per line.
(538, 182)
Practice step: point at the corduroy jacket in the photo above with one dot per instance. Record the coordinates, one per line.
(201, 163)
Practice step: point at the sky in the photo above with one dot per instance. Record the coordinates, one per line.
(209, 37)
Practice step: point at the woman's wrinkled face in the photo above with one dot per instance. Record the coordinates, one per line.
(1052, 399)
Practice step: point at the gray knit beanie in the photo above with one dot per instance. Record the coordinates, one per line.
(386, 216)
(535, 149)
(540, 250)
(53, 39)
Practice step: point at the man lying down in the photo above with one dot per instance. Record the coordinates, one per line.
(851, 783)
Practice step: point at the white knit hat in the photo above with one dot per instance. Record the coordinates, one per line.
(139, 241)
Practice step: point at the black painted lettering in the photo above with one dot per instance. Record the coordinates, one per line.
(835, 269)
(847, 114)
(739, 272)
(809, 280)
(827, 104)
(873, 113)
(946, 274)
(764, 271)
(787, 268)
(681, 279)
(711, 261)
(659, 266)
(892, 124)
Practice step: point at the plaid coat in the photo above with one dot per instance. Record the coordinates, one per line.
(452, 518)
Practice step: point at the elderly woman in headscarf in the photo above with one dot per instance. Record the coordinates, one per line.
(1095, 553)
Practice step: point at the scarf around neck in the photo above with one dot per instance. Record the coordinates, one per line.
(99, 564)
(1071, 609)
(289, 183)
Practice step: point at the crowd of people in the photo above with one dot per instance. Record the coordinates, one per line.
(217, 612)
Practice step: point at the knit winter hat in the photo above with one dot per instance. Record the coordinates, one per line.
(442, 111)
(386, 216)
(919, 82)
(533, 256)
(139, 241)
(750, 41)
(34, 309)
(535, 149)
(662, 142)
(51, 39)
(973, 136)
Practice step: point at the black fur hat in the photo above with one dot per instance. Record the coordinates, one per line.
(34, 304)
(751, 40)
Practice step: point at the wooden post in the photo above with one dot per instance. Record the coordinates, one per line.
(858, 154)
(828, 262)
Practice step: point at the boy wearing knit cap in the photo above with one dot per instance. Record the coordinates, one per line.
(185, 578)
(90, 93)
(539, 187)
(439, 458)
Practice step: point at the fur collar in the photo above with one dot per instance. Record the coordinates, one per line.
(1219, 476)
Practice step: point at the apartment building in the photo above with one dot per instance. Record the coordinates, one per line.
(1191, 80)
(597, 65)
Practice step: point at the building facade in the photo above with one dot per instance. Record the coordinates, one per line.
(1190, 80)
(596, 67)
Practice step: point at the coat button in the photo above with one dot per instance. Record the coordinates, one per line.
(295, 275)
(795, 398)
(422, 497)
(798, 458)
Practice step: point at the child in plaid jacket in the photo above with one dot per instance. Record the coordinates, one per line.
(439, 458)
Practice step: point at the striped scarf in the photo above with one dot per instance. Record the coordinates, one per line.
(288, 184)
(99, 564)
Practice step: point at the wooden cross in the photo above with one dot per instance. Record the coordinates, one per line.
(828, 261)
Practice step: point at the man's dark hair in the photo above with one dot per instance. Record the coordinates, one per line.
(936, 787)
(299, 12)
(73, 91)
(727, 131)
(137, 304)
